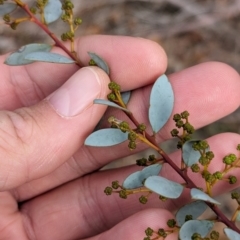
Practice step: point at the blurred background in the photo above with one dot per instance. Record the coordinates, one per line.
(190, 31)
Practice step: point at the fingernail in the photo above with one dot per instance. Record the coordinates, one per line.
(77, 94)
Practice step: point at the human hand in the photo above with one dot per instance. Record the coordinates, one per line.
(49, 185)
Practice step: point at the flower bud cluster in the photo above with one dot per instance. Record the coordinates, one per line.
(162, 233)
(214, 235)
(200, 145)
(7, 18)
(67, 5)
(141, 162)
(210, 178)
(145, 162)
(162, 198)
(143, 199)
(171, 223)
(114, 86)
(188, 217)
(67, 36)
(149, 232)
(115, 185)
(41, 3)
(229, 159)
(206, 158)
(235, 195)
(181, 121)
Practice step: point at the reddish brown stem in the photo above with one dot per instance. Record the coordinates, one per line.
(58, 43)
(182, 173)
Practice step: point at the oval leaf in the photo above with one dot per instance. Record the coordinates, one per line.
(18, 58)
(126, 96)
(110, 104)
(232, 235)
(195, 226)
(7, 8)
(190, 156)
(48, 57)
(135, 180)
(99, 61)
(106, 137)
(200, 195)
(52, 11)
(195, 209)
(161, 103)
(163, 186)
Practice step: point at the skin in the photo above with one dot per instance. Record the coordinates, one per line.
(49, 186)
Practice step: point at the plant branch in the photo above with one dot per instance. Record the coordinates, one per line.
(182, 173)
(58, 43)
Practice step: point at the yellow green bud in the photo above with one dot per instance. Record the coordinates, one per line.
(108, 191)
(149, 231)
(143, 199)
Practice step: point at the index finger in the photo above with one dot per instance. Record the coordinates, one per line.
(133, 62)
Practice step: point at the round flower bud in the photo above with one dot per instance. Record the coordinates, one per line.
(185, 114)
(108, 191)
(149, 231)
(232, 179)
(176, 117)
(143, 199)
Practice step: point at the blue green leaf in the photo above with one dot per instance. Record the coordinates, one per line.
(232, 235)
(190, 156)
(200, 195)
(52, 11)
(110, 104)
(48, 57)
(202, 227)
(18, 58)
(106, 137)
(7, 8)
(195, 209)
(163, 186)
(126, 96)
(99, 61)
(161, 103)
(135, 180)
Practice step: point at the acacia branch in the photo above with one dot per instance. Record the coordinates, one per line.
(58, 43)
(189, 183)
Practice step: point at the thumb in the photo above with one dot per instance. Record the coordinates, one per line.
(34, 141)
